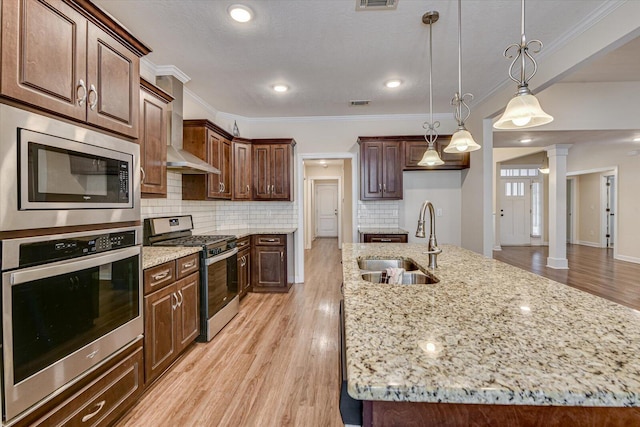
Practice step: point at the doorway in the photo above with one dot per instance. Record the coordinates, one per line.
(515, 212)
(326, 209)
(609, 210)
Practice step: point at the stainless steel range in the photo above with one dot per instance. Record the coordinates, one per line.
(219, 301)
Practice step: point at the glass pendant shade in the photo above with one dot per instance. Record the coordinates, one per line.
(523, 111)
(461, 141)
(430, 158)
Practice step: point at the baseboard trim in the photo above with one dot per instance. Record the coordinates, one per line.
(558, 263)
(635, 260)
(497, 248)
(586, 243)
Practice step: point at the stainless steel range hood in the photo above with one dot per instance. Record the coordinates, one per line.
(178, 159)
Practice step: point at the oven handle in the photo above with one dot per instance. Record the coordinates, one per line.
(69, 266)
(221, 257)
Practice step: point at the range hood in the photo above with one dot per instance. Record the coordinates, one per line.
(178, 159)
(184, 162)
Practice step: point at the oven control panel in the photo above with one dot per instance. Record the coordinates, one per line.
(66, 248)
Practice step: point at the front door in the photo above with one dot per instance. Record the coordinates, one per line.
(326, 210)
(515, 212)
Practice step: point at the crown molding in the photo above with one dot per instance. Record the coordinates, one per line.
(352, 118)
(172, 70)
(204, 104)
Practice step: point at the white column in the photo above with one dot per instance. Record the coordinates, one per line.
(558, 206)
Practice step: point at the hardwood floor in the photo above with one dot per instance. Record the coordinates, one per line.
(275, 364)
(593, 270)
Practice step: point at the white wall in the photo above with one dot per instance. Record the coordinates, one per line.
(443, 189)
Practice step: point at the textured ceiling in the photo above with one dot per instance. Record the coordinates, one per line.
(330, 54)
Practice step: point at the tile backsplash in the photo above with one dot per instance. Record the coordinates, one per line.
(378, 214)
(220, 214)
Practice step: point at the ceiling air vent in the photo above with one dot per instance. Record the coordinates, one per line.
(359, 103)
(376, 4)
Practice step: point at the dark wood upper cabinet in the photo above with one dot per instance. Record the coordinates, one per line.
(209, 142)
(153, 139)
(73, 60)
(415, 146)
(241, 169)
(272, 162)
(380, 169)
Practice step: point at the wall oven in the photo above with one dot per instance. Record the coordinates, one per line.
(69, 302)
(56, 174)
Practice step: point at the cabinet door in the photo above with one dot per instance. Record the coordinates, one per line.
(261, 172)
(414, 150)
(371, 170)
(213, 155)
(160, 343)
(241, 171)
(280, 172)
(247, 272)
(392, 170)
(44, 55)
(188, 319)
(113, 79)
(269, 272)
(153, 145)
(225, 168)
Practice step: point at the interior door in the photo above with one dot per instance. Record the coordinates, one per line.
(610, 210)
(515, 212)
(326, 196)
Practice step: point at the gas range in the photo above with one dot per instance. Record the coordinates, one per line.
(211, 245)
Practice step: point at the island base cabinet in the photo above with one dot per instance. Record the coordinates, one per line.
(99, 399)
(385, 413)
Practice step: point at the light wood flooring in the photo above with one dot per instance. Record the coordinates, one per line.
(275, 364)
(593, 270)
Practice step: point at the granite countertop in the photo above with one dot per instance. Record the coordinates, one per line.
(383, 231)
(243, 232)
(487, 333)
(156, 255)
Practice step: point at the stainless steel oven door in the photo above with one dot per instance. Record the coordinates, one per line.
(80, 176)
(221, 280)
(63, 318)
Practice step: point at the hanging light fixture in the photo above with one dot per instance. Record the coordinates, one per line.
(430, 157)
(523, 111)
(461, 140)
(545, 164)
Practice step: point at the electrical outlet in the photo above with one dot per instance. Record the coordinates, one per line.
(439, 212)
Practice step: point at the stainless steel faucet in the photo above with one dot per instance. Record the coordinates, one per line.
(433, 249)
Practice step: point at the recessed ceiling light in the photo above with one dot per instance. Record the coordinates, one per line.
(240, 13)
(393, 83)
(636, 139)
(525, 140)
(280, 88)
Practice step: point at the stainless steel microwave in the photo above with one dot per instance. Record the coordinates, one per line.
(57, 174)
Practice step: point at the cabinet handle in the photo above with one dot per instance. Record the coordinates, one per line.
(181, 298)
(247, 188)
(269, 240)
(82, 99)
(222, 186)
(161, 275)
(144, 175)
(379, 188)
(99, 405)
(384, 187)
(174, 296)
(281, 256)
(189, 264)
(244, 261)
(385, 240)
(92, 105)
(273, 189)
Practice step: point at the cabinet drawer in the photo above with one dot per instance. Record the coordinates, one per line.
(385, 238)
(269, 239)
(103, 400)
(159, 276)
(187, 265)
(245, 242)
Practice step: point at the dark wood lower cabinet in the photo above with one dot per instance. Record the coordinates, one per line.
(171, 313)
(383, 238)
(391, 414)
(244, 266)
(269, 263)
(100, 398)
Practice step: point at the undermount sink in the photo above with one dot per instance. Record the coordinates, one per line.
(383, 264)
(407, 278)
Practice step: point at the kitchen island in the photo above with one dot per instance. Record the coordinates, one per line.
(490, 344)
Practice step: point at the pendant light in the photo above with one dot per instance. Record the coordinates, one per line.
(430, 157)
(523, 111)
(461, 140)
